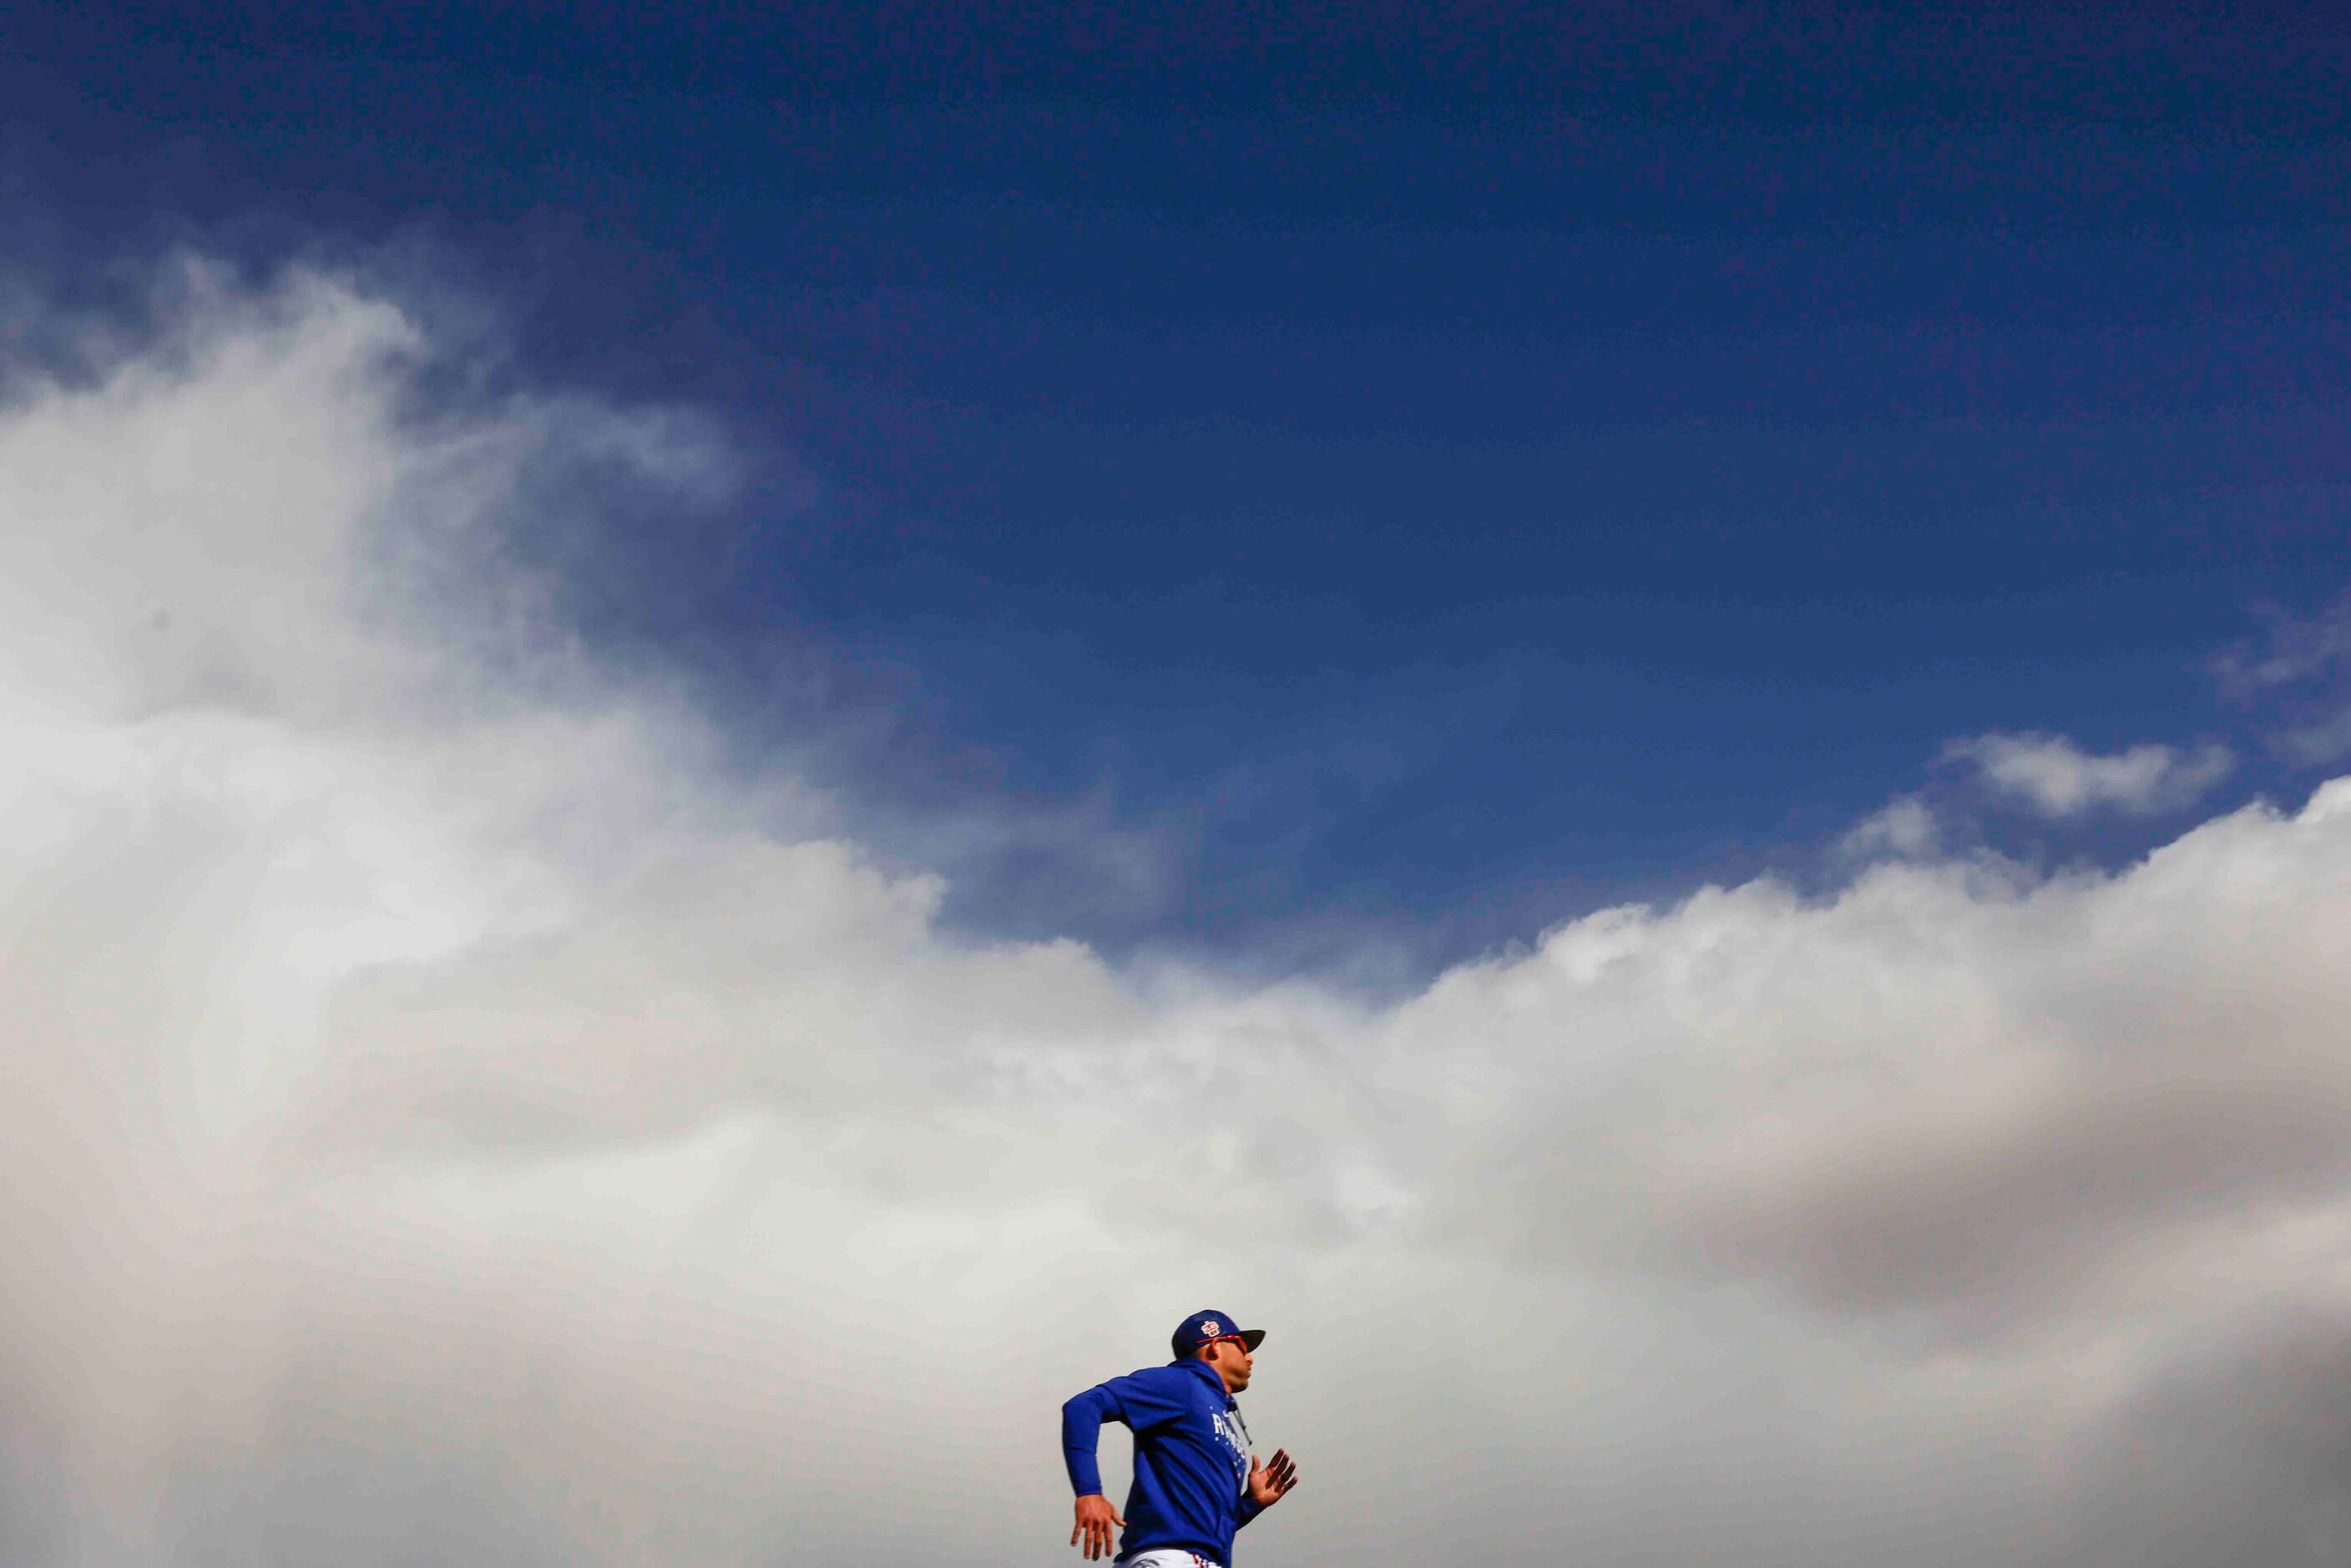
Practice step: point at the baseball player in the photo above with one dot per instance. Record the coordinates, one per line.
(1195, 1482)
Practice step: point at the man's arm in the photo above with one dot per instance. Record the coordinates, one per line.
(1141, 1400)
(1082, 1419)
(1268, 1484)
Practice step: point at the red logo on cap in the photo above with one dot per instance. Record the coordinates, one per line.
(1211, 1327)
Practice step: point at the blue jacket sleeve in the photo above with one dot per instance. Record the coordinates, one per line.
(1139, 1401)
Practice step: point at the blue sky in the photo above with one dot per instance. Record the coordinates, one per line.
(1382, 476)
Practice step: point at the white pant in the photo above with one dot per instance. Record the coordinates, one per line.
(1166, 1557)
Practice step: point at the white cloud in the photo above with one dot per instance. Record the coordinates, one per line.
(2054, 777)
(1903, 827)
(2317, 744)
(2302, 662)
(2296, 649)
(452, 1118)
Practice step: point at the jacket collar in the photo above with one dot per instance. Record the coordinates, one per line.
(1205, 1370)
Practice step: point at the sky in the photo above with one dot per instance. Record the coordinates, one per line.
(733, 742)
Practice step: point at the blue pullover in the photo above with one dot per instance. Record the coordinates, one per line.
(1191, 1456)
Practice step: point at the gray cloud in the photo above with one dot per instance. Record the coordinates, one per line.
(2236, 1448)
(456, 1118)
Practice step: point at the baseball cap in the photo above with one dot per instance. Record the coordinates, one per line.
(1201, 1327)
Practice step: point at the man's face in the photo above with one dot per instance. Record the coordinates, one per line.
(1232, 1363)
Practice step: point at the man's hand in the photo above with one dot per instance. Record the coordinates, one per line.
(1098, 1522)
(1269, 1484)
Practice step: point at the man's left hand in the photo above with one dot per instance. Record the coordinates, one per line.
(1268, 1483)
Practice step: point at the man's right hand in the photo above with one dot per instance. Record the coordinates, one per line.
(1099, 1523)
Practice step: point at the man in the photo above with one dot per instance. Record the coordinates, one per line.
(1195, 1482)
